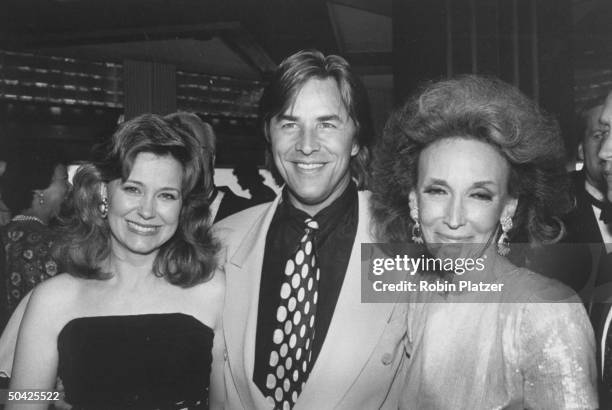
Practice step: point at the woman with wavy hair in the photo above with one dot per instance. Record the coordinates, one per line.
(464, 167)
(132, 323)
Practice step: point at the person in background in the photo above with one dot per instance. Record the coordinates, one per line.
(594, 212)
(465, 167)
(583, 257)
(36, 185)
(250, 179)
(223, 201)
(601, 314)
(136, 321)
(297, 334)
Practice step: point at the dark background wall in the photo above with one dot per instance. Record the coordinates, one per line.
(524, 42)
(70, 68)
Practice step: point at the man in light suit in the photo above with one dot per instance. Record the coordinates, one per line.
(316, 121)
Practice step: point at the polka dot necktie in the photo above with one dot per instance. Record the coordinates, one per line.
(289, 361)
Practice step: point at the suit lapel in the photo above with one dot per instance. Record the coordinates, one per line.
(354, 331)
(243, 275)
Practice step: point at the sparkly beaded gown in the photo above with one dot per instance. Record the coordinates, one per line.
(517, 349)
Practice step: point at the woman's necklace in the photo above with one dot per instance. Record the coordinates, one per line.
(27, 218)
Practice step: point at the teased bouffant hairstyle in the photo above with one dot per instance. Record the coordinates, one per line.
(489, 110)
(294, 72)
(189, 256)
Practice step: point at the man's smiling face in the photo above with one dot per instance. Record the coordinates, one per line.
(312, 145)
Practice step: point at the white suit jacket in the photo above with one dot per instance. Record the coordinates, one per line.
(362, 361)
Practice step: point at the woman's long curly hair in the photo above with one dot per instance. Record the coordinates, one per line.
(489, 110)
(189, 256)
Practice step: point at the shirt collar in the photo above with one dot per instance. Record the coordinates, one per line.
(327, 216)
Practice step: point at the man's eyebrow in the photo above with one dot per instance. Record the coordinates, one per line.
(333, 117)
(323, 118)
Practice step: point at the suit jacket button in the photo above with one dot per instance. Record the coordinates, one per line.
(387, 358)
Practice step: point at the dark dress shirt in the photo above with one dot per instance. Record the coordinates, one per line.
(333, 245)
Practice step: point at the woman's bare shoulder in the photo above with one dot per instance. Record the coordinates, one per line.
(56, 298)
(59, 287)
(213, 287)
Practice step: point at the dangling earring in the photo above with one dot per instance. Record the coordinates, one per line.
(103, 207)
(416, 228)
(41, 198)
(503, 243)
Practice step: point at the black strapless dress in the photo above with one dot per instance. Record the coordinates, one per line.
(157, 361)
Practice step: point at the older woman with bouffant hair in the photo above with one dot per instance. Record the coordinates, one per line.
(486, 109)
(470, 164)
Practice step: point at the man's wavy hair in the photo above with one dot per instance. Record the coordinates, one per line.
(489, 110)
(189, 256)
(293, 73)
